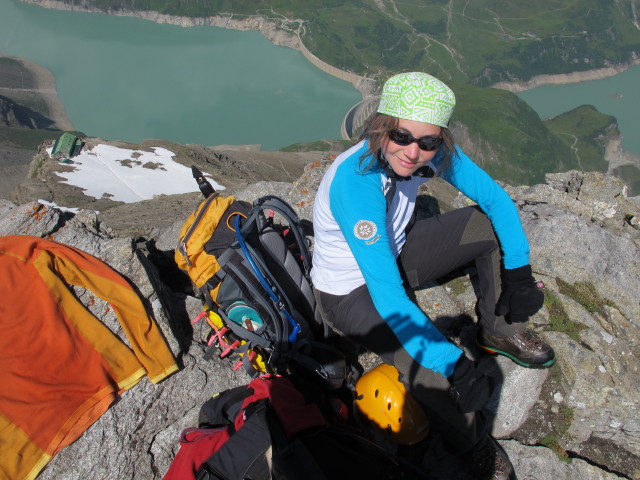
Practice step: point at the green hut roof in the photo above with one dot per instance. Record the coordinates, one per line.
(65, 145)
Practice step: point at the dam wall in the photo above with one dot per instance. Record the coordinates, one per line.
(330, 69)
(359, 113)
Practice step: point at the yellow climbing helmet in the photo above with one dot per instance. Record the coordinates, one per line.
(390, 409)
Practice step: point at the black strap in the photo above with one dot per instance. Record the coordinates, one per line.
(251, 337)
(223, 408)
(392, 177)
(244, 452)
(391, 191)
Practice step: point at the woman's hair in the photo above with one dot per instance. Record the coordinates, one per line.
(376, 133)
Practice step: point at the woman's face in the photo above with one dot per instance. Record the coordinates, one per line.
(405, 160)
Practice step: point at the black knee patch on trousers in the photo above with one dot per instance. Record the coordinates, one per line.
(478, 228)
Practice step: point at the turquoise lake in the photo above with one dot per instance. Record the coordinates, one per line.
(132, 79)
(618, 96)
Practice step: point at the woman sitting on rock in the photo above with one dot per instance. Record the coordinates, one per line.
(368, 250)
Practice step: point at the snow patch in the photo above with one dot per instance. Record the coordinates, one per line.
(62, 209)
(129, 176)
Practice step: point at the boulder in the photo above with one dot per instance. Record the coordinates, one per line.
(576, 420)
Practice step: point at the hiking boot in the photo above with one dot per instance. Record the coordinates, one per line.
(525, 348)
(489, 461)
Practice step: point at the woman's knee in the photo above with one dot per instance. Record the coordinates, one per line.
(478, 228)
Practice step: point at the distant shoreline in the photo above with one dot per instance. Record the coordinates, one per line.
(565, 78)
(267, 27)
(289, 39)
(45, 87)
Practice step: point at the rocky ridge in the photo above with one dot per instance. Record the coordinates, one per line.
(577, 420)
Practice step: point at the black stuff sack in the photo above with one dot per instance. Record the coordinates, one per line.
(267, 430)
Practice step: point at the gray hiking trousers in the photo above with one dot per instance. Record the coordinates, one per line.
(435, 247)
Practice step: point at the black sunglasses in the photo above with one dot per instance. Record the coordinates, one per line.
(427, 143)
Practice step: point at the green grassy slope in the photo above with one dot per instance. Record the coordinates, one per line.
(480, 42)
(631, 176)
(522, 148)
(585, 130)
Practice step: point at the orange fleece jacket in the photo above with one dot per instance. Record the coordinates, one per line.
(60, 367)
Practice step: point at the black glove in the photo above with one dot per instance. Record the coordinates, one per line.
(520, 297)
(470, 387)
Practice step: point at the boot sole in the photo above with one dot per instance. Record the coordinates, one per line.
(496, 351)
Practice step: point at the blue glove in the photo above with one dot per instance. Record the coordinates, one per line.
(520, 297)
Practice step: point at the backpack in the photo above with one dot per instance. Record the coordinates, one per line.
(268, 430)
(251, 262)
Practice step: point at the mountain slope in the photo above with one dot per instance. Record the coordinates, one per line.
(482, 42)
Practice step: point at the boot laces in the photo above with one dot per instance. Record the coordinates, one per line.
(529, 339)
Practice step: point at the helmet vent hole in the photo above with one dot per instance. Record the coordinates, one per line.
(389, 406)
(376, 393)
(400, 420)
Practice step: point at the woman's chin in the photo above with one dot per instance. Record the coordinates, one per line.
(404, 171)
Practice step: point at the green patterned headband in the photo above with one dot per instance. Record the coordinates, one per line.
(417, 96)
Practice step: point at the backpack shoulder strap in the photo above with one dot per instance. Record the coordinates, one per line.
(271, 202)
(291, 333)
(292, 274)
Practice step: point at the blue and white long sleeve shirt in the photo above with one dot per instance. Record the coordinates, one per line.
(357, 240)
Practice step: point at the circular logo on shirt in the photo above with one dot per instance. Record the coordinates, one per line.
(365, 229)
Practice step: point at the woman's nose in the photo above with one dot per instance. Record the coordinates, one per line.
(412, 150)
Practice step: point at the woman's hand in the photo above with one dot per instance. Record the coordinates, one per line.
(520, 297)
(470, 387)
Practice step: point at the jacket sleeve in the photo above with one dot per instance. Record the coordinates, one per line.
(476, 184)
(359, 208)
(79, 268)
